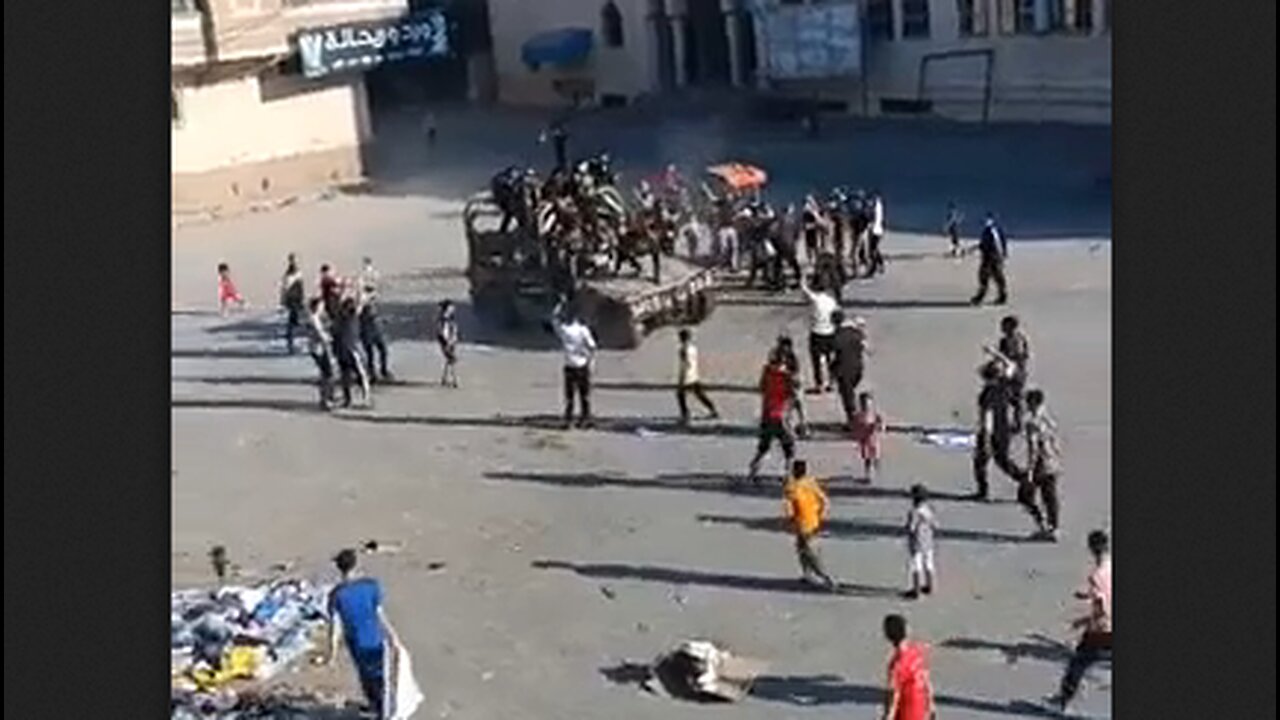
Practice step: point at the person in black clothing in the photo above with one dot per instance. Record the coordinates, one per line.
(811, 226)
(849, 362)
(346, 339)
(993, 251)
(784, 256)
(320, 347)
(330, 291)
(859, 220)
(994, 432)
(1015, 349)
(759, 249)
(559, 138)
(372, 341)
(292, 299)
(837, 223)
(952, 227)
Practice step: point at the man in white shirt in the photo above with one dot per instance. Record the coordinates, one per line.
(727, 245)
(579, 352)
(822, 332)
(688, 379)
(875, 233)
(370, 278)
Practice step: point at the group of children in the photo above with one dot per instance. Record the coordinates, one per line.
(342, 316)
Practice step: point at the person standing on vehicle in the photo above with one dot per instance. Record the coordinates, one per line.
(579, 347)
(993, 252)
(292, 300)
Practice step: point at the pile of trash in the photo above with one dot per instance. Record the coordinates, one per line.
(223, 642)
(701, 670)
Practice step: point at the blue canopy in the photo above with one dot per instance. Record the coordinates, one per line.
(556, 47)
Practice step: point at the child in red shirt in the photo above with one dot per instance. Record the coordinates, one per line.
(910, 695)
(227, 292)
(868, 427)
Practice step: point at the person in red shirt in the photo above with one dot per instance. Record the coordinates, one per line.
(227, 292)
(776, 394)
(910, 694)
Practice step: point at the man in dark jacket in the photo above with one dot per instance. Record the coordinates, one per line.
(993, 251)
(849, 363)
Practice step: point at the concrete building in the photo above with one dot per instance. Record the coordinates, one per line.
(1017, 60)
(253, 118)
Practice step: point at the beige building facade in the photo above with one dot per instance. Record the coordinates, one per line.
(998, 60)
(246, 126)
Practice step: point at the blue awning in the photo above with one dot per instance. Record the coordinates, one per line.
(556, 47)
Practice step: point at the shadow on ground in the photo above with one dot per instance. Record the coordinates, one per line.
(811, 690)
(400, 320)
(862, 529)
(682, 576)
(836, 487)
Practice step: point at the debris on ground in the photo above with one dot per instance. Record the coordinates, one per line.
(223, 641)
(949, 440)
(697, 670)
(374, 546)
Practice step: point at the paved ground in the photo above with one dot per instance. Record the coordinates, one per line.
(569, 553)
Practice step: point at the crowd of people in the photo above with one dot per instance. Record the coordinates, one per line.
(822, 244)
(339, 321)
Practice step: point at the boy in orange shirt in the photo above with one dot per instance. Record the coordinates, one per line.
(806, 507)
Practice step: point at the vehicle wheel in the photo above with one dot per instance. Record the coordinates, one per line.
(492, 306)
(700, 307)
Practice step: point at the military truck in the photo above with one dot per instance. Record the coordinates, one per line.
(511, 283)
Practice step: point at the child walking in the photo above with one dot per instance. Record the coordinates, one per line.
(447, 336)
(227, 292)
(688, 380)
(868, 427)
(921, 524)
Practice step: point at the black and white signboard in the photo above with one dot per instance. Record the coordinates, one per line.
(810, 41)
(362, 46)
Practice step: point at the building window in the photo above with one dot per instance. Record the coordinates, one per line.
(915, 18)
(1017, 17)
(973, 17)
(611, 25)
(1071, 16)
(880, 19)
